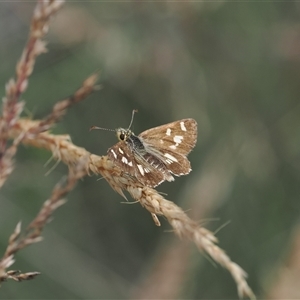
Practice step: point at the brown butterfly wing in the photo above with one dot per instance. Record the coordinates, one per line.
(179, 136)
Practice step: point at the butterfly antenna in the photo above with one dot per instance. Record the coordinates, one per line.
(96, 127)
(133, 112)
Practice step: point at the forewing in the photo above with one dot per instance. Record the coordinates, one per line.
(179, 136)
(121, 155)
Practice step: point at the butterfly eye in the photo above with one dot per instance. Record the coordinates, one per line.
(122, 136)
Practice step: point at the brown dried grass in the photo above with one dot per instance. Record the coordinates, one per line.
(80, 162)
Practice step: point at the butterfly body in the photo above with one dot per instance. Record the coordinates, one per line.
(157, 153)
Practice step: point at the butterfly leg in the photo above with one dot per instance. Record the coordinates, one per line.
(155, 219)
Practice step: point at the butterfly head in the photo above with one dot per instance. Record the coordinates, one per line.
(123, 134)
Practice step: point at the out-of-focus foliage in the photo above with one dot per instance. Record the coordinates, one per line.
(235, 68)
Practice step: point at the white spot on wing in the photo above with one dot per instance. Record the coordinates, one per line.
(130, 164)
(178, 139)
(168, 132)
(121, 151)
(141, 170)
(171, 157)
(114, 153)
(183, 128)
(173, 147)
(124, 160)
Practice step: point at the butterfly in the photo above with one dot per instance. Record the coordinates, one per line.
(155, 155)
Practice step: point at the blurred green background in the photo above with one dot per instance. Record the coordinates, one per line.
(235, 68)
